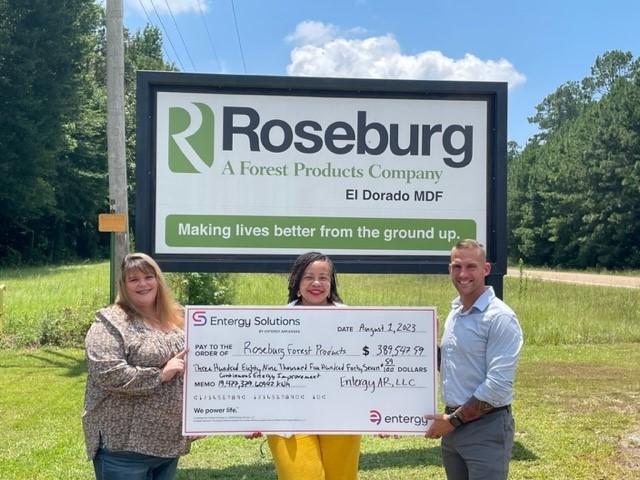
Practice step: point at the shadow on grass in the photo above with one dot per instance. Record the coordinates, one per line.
(415, 457)
(520, 453)
(408, 457)
(234, 472)
(50, 358)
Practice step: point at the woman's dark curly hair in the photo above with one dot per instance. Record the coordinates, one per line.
(298, 268)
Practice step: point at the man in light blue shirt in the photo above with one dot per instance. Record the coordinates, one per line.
(479, 348)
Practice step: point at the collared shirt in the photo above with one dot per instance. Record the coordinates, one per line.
(480, 349)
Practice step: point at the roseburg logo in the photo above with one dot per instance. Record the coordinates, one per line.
(375, 417)
(199, 318)
(190, 137)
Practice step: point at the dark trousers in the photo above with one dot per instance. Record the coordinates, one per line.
(110, 465)
(480, 450)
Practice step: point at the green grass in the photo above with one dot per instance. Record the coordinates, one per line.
(261, 289)
(549, 312)
(355, 289)
(577, 386)
(55, 305)
(42, 393)
(561, 313)
(574, 407)
(51, 305)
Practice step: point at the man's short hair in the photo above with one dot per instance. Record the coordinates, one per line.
(470, 244)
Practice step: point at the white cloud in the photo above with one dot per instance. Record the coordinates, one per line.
(177, 6)
(325, 54)
(312, 33)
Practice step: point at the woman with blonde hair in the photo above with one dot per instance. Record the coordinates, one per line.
(135, 351)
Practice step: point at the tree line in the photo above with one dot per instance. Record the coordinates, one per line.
(573, 189)
(53, 147)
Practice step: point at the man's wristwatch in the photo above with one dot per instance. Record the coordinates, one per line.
(455, 420)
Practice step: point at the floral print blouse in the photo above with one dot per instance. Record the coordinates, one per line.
(127, 407)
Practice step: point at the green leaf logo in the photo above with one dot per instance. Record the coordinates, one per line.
(190, 138)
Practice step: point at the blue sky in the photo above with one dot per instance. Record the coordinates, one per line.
(535, 46)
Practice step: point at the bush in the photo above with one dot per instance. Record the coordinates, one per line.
(66, 328)
(197, 288)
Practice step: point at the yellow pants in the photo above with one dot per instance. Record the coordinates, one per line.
(316, 457)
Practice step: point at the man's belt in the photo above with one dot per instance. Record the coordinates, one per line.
(450, 410)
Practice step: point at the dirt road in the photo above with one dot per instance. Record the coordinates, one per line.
(586, 278)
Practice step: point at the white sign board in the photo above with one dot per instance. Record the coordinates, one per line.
(305, 369)
(274, 174)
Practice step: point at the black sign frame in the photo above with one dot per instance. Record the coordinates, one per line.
(149, 83)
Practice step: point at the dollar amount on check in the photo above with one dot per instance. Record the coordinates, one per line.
(305, 369)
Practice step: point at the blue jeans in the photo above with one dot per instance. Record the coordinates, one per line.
(110, 465)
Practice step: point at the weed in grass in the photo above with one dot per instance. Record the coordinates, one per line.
(522, 280)
(67, 328)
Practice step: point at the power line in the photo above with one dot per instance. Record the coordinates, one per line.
(167, 34)
(166, 53)
(235, 22)
(215, 54)
(180, 34)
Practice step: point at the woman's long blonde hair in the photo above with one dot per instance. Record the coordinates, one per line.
(167, 310)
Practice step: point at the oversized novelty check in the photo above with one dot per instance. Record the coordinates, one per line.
(309, 369)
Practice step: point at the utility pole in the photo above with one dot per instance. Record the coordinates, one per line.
(116, 133)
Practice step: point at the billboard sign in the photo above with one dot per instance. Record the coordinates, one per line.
(243, 173)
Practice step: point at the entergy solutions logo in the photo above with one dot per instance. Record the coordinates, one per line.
(198, 318)
(190, 137)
